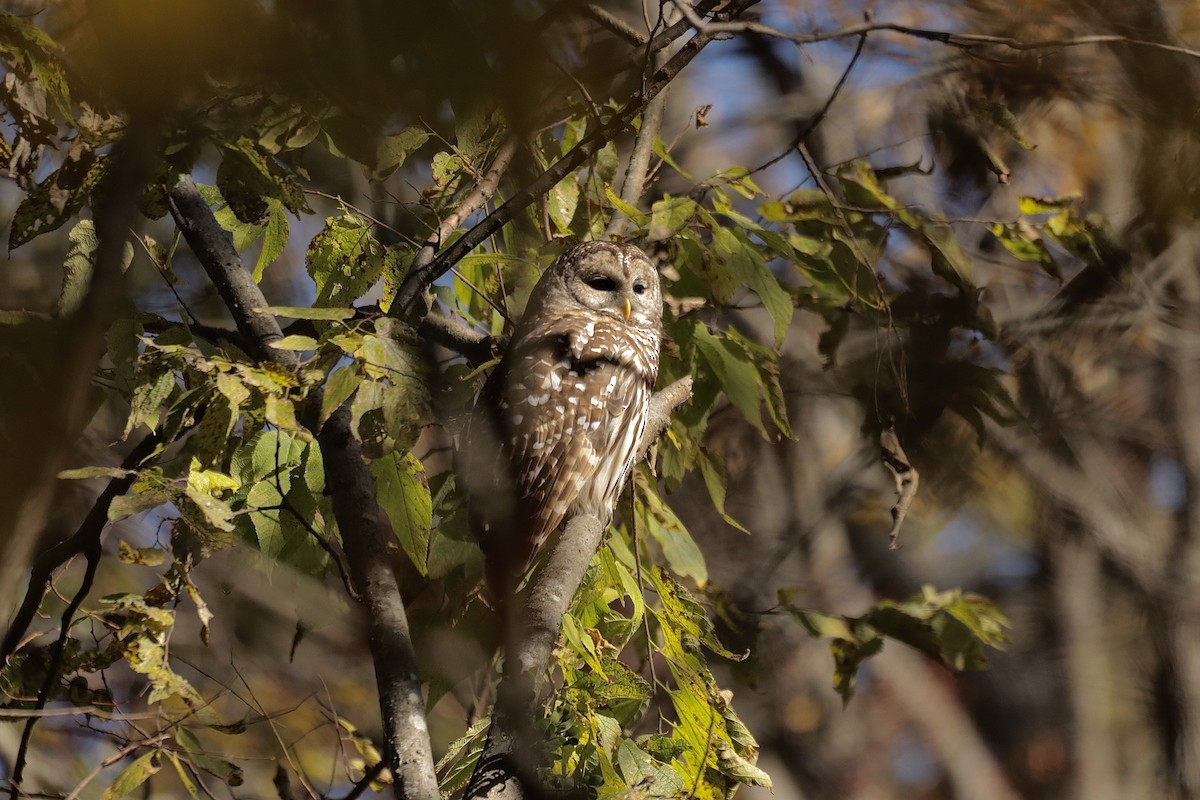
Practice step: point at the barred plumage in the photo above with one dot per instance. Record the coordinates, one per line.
(567, 405)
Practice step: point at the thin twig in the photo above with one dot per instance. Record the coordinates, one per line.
(961, 40)
(364, 783)
(92, 553)
(88, 532)
(615, 24)
(819, 117)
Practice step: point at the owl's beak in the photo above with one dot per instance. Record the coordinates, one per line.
(628, 309)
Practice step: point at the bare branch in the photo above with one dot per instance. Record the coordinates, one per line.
(475, 347)
(615, 24)
(365, 538)
(966, 41)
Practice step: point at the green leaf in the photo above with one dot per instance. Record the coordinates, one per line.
(949, 260)
(632, 212)
(952, 627)
(396, 261)
(712, 470)
(1023, 241)
(1001, 116)
(31, 51)
(1047, 205)
(344, 260)
(144, 556)
(296, 342)
(304, 312)
(83, 473)
(446, 167)
(188, 785)
(228, 773)
(738, 378)
(133, 776)
(403, 492)
(394, 149)
(275, 238)
(150, 490)
(338, 388)
(77, 268)
(740, 769)
(58, 198)
(249, 177)
(748, 267)
(562, 201)
(684, 620)
(679, 549)
(461, 756)
(669, 216)
(147, 402)
(848, 655)
(232, 389)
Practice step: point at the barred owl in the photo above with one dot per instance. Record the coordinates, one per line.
(556, 427)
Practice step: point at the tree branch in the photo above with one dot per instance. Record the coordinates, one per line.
(365, 539)
(966, 41)
(421, 277)
(475, 347)
(503, 770)
(364, 535)
(213, 246)
(475, 200)
(52, 558)
(639, 159)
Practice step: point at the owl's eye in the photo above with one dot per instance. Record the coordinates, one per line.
(601, 283)
(639, 288)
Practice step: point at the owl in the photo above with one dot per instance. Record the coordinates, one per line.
(557, 425)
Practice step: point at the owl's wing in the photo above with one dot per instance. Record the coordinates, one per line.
(569, 398)
(551, 450)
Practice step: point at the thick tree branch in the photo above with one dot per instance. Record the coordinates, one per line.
(364, 535)
(419, 278)
(366, 539)
(503, 770)
(475, 347)
(213, 246)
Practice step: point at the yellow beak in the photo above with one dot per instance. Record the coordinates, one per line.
(628, 309)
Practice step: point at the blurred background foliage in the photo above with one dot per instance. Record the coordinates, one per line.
(968, 222)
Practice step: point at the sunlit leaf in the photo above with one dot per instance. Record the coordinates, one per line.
(133, 776)
(403, 493)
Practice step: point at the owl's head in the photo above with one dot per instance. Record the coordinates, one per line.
(617, 280)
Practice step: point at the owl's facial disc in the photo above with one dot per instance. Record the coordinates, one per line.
(619, 281)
